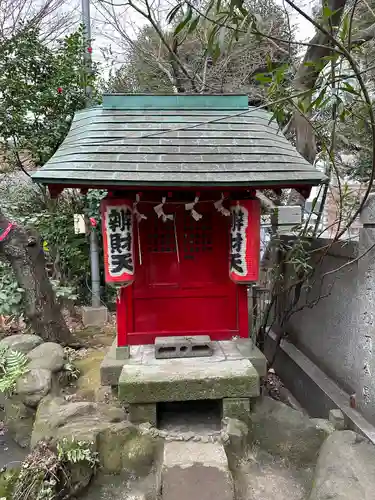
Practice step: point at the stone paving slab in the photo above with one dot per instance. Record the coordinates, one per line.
(187, 380)
(195, 471)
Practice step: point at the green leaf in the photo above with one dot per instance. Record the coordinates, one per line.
(327, 12)
(349, 88)
(193, 24)
(184, 22)
(344, 27)
(263, 78)
(216, 52)
(172, 13)
(318, 101)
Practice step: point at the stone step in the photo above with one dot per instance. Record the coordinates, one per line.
(193, 471)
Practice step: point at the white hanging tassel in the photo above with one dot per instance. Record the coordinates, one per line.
(193, 212)
(138, 215)
(220, 208)
(160, 211)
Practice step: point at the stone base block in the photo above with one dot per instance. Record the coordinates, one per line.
(239, 354)
(183, 347)
(187, 380)
(94, 316)
(248, 350)
(123, 352)
(238, 408)
(111, 366)
(195, 471)
(141, 413)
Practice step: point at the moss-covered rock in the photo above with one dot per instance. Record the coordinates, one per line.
(139, 454)
(111, 443)
(88, 385)
(34, 385)
(283, 431)
(118, 443)
(21, 342)
(19, 420)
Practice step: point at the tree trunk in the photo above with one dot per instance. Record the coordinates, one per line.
(23, 251)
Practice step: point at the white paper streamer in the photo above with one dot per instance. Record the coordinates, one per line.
(137, 214)
(160, 211)
(190, 206)
(220, 208)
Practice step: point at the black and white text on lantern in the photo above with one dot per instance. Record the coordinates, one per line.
(245, 241)
(117, 222)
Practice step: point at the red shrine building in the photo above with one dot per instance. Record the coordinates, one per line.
(181, 221)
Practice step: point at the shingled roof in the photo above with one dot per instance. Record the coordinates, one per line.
(176, 140)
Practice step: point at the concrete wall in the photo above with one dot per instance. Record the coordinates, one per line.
(327, 332)
(337, 332)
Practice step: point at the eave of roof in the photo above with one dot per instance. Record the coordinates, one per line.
(177, 140)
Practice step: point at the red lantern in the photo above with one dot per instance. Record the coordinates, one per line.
(245, 241)
(117, 227)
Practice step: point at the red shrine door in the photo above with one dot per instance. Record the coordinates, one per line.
(182, 284)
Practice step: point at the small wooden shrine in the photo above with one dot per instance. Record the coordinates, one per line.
(181, 221)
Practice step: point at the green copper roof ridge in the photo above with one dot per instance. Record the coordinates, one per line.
(163, 102)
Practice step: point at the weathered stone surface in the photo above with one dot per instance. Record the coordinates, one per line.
(118, 443)
(49, 356)
(34, 385)
(120, 487)
(21, 342)
(19, 420)
(89, 386)
(57, 418)
(139, 454)
(323, 424)
(122, 448)
(248, 350)
(195, 470)
(281, 430)
(183, 347)
(337, 418)
(110, 368)
(236, 437)
(187, 379)
(345, 469)
(140, 413)
(94, 316)
(238, 408)
(123, 352)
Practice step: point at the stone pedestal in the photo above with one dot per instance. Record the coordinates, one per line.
(94, 316)
(231, 350)
(141, 413)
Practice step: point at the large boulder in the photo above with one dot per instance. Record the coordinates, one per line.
(283, 431)
(345, 469)
(19, 420)
(22, 342)
(49, 356)
(118, 443)
(33, 386)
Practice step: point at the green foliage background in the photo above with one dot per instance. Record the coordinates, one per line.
(42, 87)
